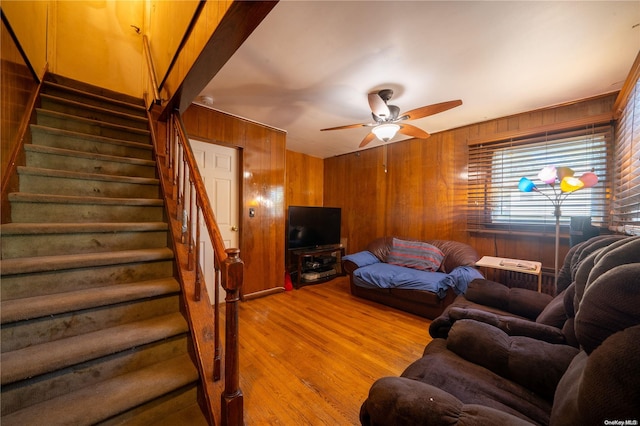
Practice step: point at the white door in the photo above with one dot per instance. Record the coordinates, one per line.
(219, 169)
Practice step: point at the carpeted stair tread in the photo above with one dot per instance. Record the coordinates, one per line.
(62, 152)
(99, 123)
(71, 199)
(88, 136)
(88, 155)
(51, 304)
(60, 262)
(39, 359)
(115, 98)
(142, 120)
(98, 402)
(18, 228)
(38, 171)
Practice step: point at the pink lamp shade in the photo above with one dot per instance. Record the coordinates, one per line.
(589, 179)
(548, 175)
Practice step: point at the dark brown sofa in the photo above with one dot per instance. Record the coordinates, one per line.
(420, 302)
(523, 312)
(480, 375)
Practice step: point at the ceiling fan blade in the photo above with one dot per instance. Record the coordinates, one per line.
(413, 131)
(378, 105)
(370, 136)
(428, 110)
(348, 126)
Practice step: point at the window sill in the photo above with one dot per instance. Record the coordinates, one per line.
(544, 234)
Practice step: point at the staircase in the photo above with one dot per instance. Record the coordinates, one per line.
(92, 329)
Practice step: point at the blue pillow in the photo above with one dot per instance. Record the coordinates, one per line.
(362, 258)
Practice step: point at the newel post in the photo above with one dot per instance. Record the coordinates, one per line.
(232, 404)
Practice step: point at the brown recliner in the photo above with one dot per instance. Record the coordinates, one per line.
(523, 312)
(480, 375)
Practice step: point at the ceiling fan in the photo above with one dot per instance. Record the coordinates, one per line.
(388, 120)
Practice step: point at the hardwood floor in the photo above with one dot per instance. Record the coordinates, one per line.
(309, 356)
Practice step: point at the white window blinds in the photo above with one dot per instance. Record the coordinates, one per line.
(625, 215)
(494, 201)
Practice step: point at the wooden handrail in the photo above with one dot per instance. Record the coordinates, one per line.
(152, 70)
(198, 183)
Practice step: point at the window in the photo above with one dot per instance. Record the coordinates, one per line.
(495, 169)
(625, 215)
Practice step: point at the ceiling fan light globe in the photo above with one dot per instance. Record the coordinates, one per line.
(386, 132)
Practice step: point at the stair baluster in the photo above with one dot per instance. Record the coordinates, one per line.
(227, 265)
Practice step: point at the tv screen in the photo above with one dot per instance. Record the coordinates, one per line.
(313, 226)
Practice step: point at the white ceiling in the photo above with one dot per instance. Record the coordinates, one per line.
(310, 64)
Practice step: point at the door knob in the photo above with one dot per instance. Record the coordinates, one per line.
(234, 228)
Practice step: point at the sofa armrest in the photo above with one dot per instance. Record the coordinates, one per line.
(512, 326)
(407, 402)
(519, 301)
(532, 363)
(348, 267)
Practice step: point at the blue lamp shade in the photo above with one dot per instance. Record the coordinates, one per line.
(526, 185)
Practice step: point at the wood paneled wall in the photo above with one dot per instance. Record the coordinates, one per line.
(304, 180)
(422, 194)
(262, 150)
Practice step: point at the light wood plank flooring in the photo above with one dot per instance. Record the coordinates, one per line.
(309, 356)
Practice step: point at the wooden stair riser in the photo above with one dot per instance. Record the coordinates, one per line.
(91, 112)
(55, 327)
(78, 212)
(91, 127)
(84, 142)
(36, 390)
(31, 245)
(52, 282)
(37, 156)
(39, 181)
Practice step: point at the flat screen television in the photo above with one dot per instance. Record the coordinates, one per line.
(309, 227)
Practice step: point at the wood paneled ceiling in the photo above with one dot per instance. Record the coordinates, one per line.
(310, 64)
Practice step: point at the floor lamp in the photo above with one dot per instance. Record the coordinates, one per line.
(568, 183)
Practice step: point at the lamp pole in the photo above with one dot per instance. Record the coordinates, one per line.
(556, 213)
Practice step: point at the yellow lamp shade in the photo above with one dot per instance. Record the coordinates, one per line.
(570, 184)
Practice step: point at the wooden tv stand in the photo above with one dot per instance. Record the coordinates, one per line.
(316, 265)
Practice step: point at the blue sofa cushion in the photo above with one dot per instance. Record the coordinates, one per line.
(384, 275)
